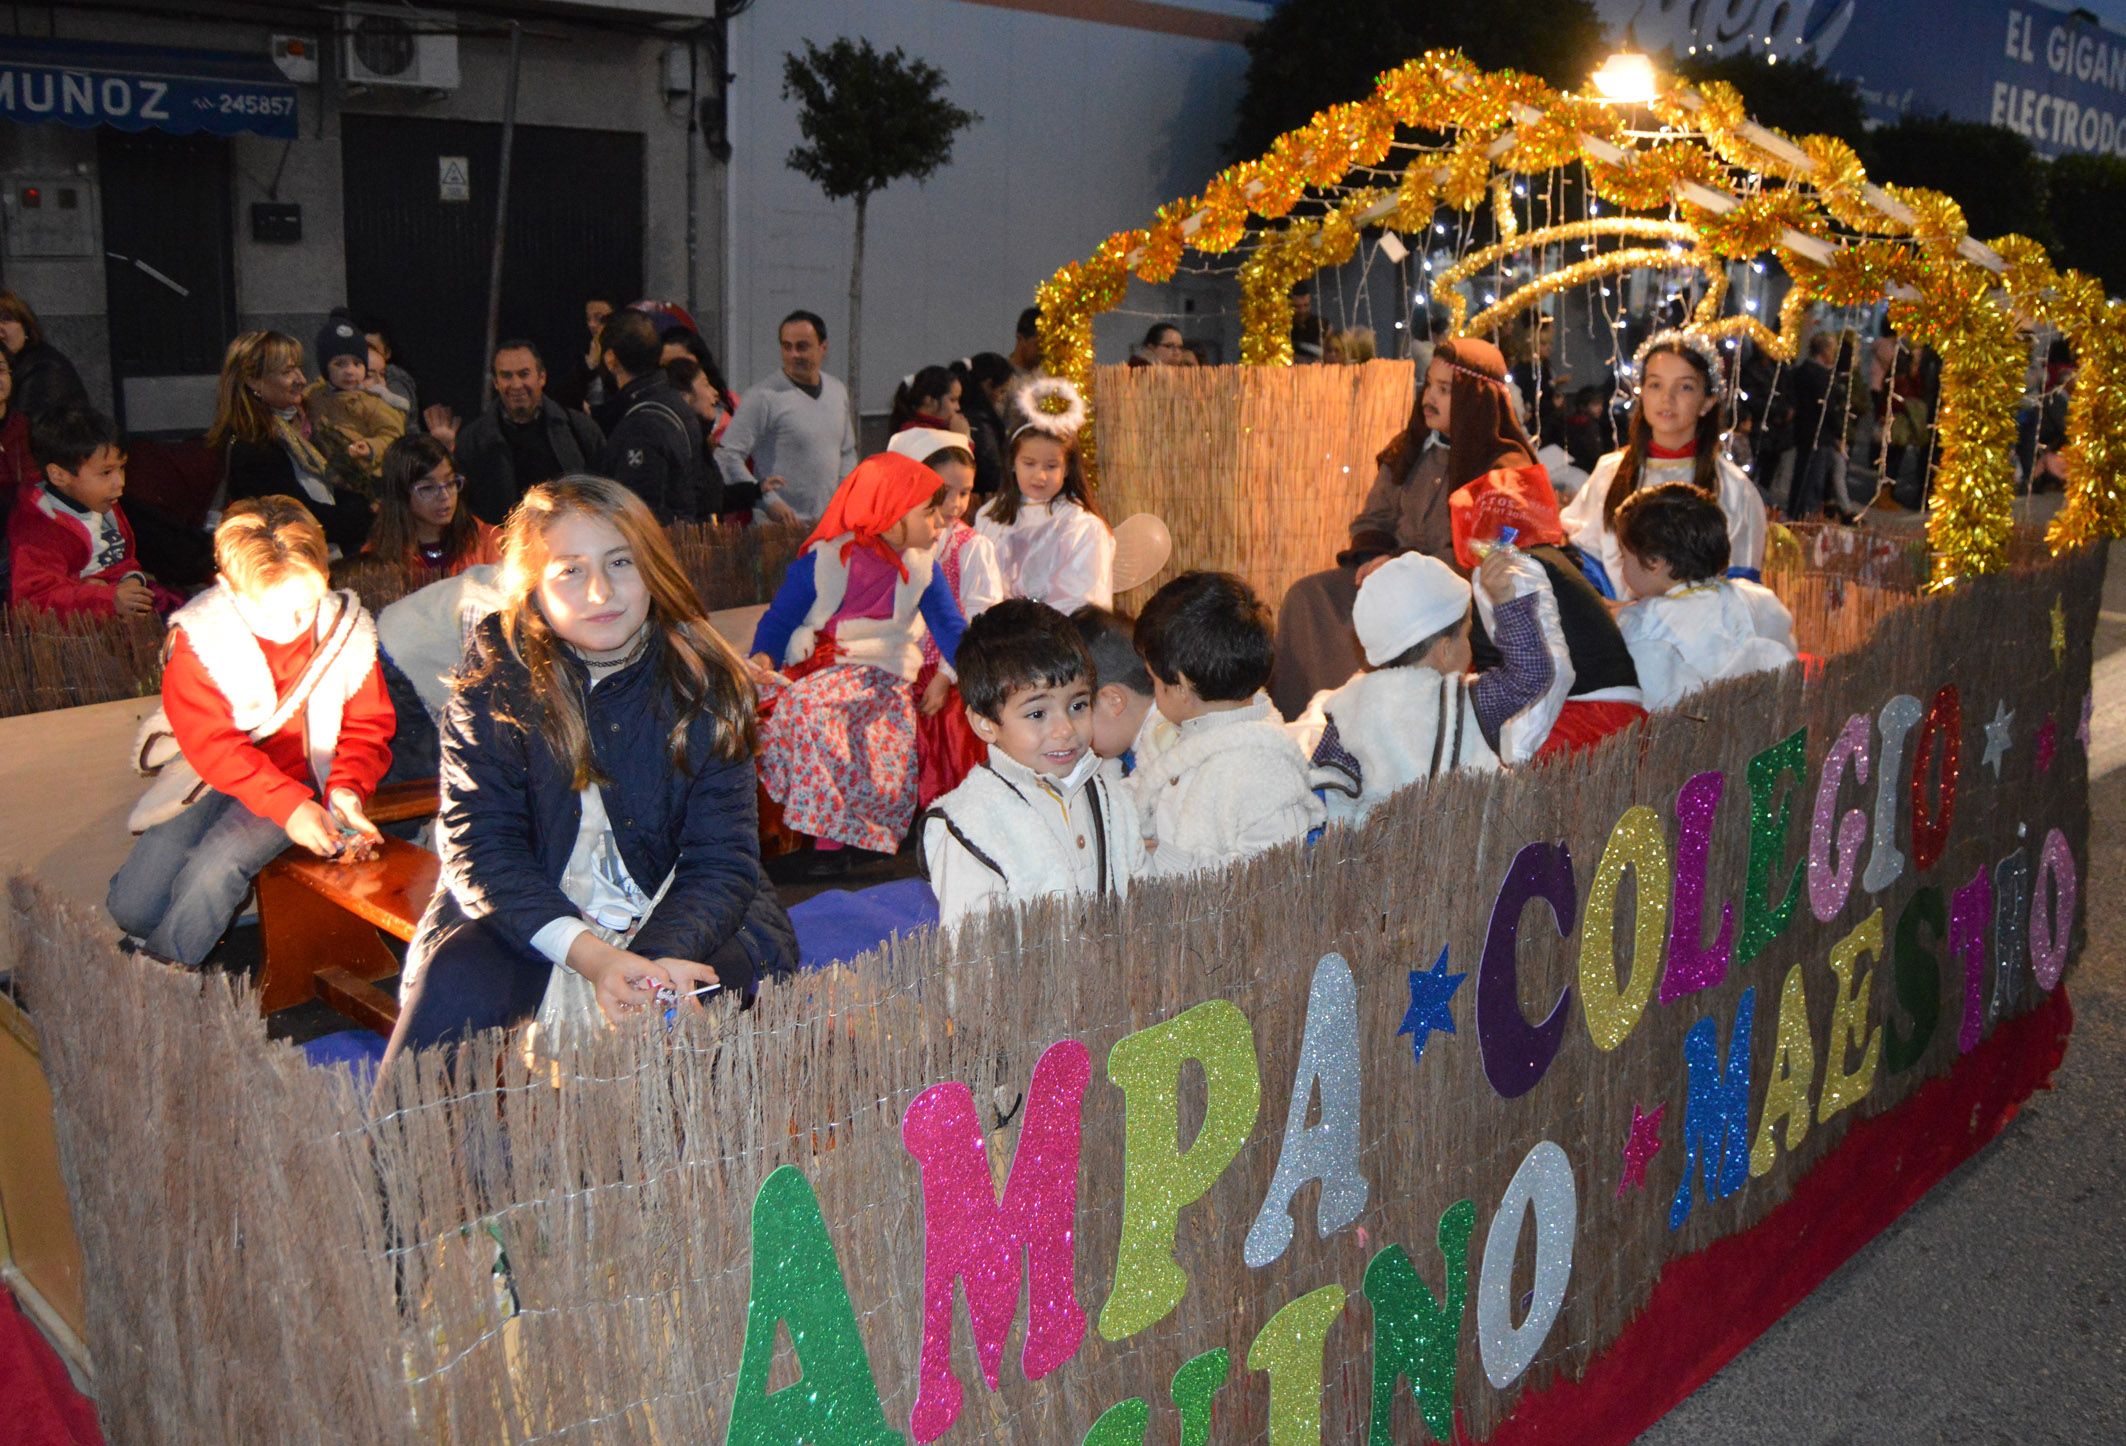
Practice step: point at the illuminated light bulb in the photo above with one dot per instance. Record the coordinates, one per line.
(1627, 78)
(1417, 298)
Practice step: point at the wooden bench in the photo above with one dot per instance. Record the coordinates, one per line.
(322, 924)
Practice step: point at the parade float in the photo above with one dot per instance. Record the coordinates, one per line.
(1506, 1118)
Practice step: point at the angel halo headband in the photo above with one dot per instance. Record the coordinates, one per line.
(1695, 343)
(1052, 406)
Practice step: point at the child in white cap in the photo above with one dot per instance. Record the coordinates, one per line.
(1417, 711)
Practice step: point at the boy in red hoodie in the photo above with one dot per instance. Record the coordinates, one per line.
(70, 547)
(274, 695)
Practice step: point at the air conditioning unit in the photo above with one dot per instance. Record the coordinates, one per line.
(399, 47)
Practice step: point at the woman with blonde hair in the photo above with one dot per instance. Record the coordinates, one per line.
(272, 449)
(598, 825)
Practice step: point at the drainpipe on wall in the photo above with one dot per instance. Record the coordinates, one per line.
(693, 183)
(494, 267)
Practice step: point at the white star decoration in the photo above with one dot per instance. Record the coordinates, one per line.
(1998, 737)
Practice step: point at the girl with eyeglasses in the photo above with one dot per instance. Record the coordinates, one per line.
(419, 519)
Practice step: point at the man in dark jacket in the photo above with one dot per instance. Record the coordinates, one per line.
(656, 446)
(1816, 438)
(521, 441)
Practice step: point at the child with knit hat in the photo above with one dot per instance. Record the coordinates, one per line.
(342, 401)
(837, 653)
(1417, 711)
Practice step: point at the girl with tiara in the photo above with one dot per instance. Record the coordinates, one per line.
(838, 652)
(1051, 544)
(1675, 437)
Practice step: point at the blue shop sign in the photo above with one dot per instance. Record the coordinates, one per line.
(144, 88)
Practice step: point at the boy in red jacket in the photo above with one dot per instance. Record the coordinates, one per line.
(274, 694)
(69, 545)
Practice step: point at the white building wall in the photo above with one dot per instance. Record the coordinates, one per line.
(1087, 129)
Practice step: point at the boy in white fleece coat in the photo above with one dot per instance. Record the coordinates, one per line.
(1691, 625)
(1039, 817)
(1227, 781)
(1417, 712)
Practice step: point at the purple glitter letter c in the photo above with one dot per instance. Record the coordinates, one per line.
(1516, 1053)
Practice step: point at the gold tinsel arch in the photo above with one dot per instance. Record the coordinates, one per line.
(1738, 191)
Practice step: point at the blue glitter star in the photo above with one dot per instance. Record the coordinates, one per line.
(1431, 990)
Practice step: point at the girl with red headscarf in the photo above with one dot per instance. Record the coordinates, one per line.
(837, 654)
(1502, 494)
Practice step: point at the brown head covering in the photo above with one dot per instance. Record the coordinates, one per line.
(1482, 432)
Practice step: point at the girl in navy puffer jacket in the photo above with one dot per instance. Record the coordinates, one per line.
(598, 826)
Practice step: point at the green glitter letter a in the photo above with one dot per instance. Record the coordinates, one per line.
(797, 1281)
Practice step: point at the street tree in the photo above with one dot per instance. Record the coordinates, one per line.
(869, 118)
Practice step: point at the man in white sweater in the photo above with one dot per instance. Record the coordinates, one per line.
(792, 431)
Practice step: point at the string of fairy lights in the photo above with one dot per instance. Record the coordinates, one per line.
(1719, 198)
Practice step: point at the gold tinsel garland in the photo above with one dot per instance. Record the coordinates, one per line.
(1942, 299)
(2095, 504)
(1609, 263)
(1477, 262)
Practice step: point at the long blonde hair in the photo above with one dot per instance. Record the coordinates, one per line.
(699, 668)
(238, 411)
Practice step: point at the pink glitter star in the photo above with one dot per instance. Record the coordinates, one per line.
(2048, 738)
(2088, 711)
(1645, 1140)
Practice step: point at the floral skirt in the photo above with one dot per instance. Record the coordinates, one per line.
(838, 753)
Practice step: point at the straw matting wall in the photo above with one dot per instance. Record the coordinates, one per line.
(1256, 470)
(49, 661)
(268, 1259)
